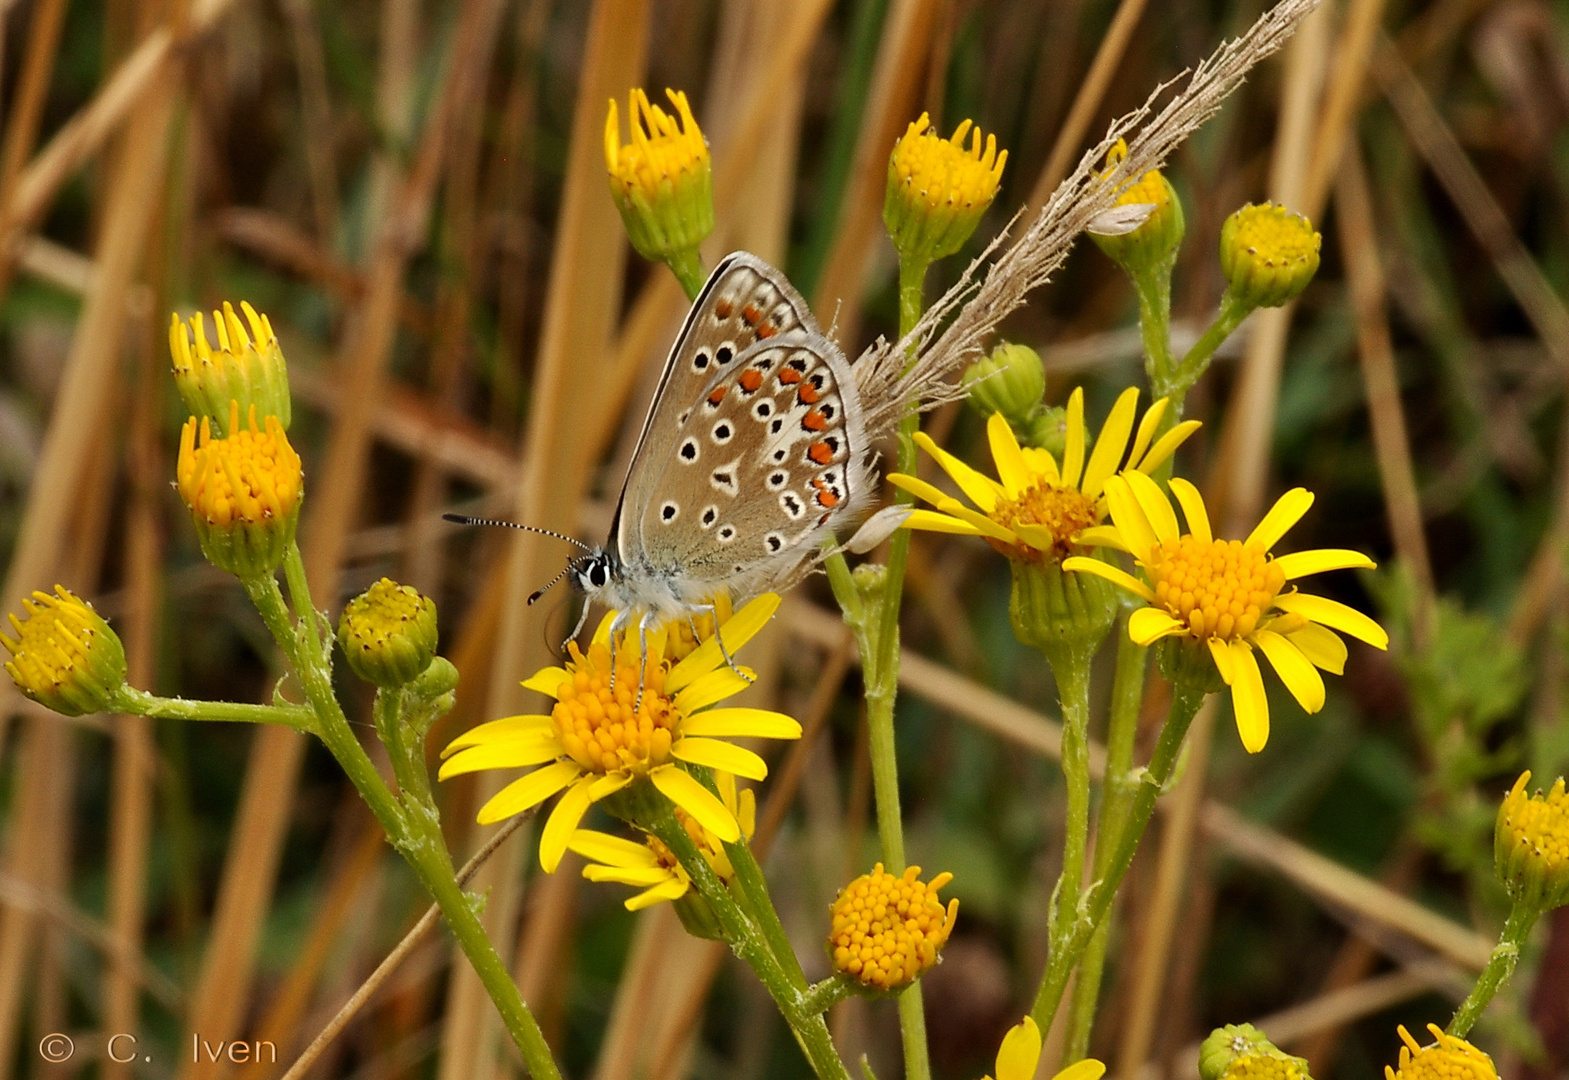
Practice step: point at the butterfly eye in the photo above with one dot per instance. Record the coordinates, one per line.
(597, 575)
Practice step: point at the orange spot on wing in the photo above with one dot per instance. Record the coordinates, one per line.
(815, 421)
(723, 309)
(767, 330)
(751, 314)
(789, 376)
(808, 394)
(820, 452)
(718, 395)
(751, 379)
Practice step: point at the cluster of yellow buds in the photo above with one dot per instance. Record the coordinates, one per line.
(1531, 845)
(1243, 1052)
(388, 634)
(1449, 1058)
(1152, 244)
(247, 369)
(662, 181)
(64, 656)
(888, 930)
(1268, 254)
(938, 190)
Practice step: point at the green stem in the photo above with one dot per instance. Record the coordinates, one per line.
(749, 875)
(687, 266)
(1127, 694)
(1097, 899)
(1071, 667)
(820, 997)
(1500, 965)
(1153, 287)
(1187, 372)
(141, 703)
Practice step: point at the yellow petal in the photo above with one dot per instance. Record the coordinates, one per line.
(981, 489)
(1322, 646)
(602, 631)
(547, 680)
(1148, 625)
(720, 755)
(1167, 445)
(1084, 565)
(1147, 428)
(533, 748)
(1220, 652)
(1111, 442)
(1020, 1052)
(611, 850)
(1286, 512)
(1302, 563)
(506, 727)
(1102, 536)
(1011, 467)
(691, 796)
(737, 723)
(1088, 1069)
(1335, 615)
(673, 889)
(563, 822)
(530, 791)
(742, 627)
(932, 521)
(984, 524)
(1038, 537)
(1157, 508)
(1294, 669)
(1128, 516)
(1073, 452)
(1247, 698)
(1192, 504)
(919, 488)
(640, 877)
(1042, 464)
(709, 688)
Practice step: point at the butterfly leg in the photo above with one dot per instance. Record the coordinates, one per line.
(617, 627)
(642, 666)
(719, 638)
(582, 620)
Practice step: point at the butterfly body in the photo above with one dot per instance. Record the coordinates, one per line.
(753, 452)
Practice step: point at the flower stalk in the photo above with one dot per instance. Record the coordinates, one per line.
(1500, 965)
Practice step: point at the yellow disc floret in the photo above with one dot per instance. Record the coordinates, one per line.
(1448, 1058)
(662, 180)
(64, 656)
(1265, 1067)
(245, 369)
(606, 730)
(1153, 243)
(1531, 845)
(938, 189)
(1268, 254)
(388, 633)
(1220, 588)
(887, 930)
(243, 491)
(1062, 511)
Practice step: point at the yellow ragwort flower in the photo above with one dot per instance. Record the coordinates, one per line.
(887, 930)
(650, 865)
(1153, 242)
(1020, 1054)
(662, 180)
(245, 368)
(938, 190)
(595, 740)
(388, 633)
(1039, 509)
(1448, 1058)
(1230, 594)
(1531, 845)
(64, 656)
(1268, 254)
(243, 491)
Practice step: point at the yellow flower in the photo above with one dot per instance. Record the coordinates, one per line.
(243, 491)
(937, 190)
(1229, 595)
(589, 748)
(64, 656)
(388, 633)
(651, 866)
(1243, 1052)
(887, 930)
(1447, 1059)
(1531, 845)
(249, 372)
(1038, 509)
(1153, 243)
(1268, 254)
(1020, 1054)
(662, 180)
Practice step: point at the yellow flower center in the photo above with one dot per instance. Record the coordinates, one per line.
(250, 477)
(1220, 589)
(663, 149)
(1264, 1067)
(383, 611)
(1275, 235)
(1539, 823)
(1448, 1059)
(1146, 189)
(941, 172)
(600, 727)
(1065, 511)
(54, 642)
(887, 929)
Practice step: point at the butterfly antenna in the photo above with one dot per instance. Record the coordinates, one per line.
(537, 593)
(464, 519)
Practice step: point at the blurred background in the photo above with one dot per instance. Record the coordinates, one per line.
(415, 193)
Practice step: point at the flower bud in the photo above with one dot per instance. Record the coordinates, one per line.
(888, 930)
(937, 190)
(1531, 845)
(1242, 1052)
(1448, 1058)
(388, 634)
(661, 181)
(1010, 381)
(1154, 242)
(249, 372)
(243, 491)
(64, 656)
(1268, 254)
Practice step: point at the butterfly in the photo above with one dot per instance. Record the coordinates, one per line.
(754, 451)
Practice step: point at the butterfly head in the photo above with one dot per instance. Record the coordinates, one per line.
(591, 572)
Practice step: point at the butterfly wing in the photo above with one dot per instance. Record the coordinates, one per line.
(744, 301)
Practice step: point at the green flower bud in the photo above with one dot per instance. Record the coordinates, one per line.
(937, 190)
(1268, 254)
(1153, 244)
(1010, 381)
(1242, 1052)
(64, 656)
(388, 634)
(1047, 430)
(1531, 845)
(241, 370)
(1051, 610)
(662, 181)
